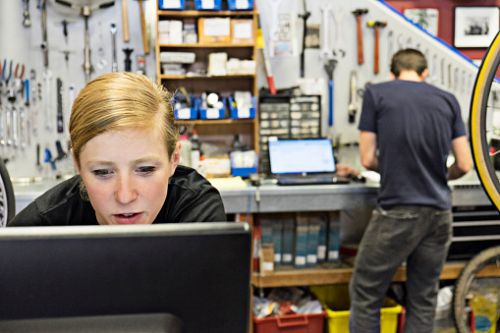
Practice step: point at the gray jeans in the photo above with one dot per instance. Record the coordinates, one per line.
(421, 236)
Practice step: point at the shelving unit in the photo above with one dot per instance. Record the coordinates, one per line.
(227, 84)
(323, 276)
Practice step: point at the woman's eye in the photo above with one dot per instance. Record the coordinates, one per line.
(102, 172)
(146, 169)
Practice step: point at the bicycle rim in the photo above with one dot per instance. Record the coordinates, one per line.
(477, 122)
(468, 285)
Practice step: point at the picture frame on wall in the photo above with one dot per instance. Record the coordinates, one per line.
(475, 27)
(427, 18)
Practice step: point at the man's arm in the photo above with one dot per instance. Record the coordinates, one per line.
(463, 159)
(368, 150)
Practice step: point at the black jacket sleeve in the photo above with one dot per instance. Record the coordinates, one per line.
(29, 217)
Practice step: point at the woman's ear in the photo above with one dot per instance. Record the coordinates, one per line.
(176, 157)
(75, 161)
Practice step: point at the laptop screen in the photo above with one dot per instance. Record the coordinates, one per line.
(301, 156)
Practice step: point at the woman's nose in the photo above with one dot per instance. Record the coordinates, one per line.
(126, 191)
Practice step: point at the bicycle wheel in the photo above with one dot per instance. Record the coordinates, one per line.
(482, 129)
(473, 283)
(7, 199)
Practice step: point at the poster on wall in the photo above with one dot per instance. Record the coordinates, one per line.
(475, 26)
(427, 18)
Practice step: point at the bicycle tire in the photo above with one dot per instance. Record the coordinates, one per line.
(477, 122)
(463, 283)
(7, 198)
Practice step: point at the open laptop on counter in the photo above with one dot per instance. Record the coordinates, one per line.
(303, 162)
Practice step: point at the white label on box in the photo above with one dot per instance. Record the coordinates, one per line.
(312, 259)
(287, 258)
(300, 260)
(333, 255)
(212, 113)
(242, 4)
(207, 4)
(267, 266)
(243, 30)
(277, 257)
(217, 27)
(172, 4)
(184, 113)
(321, 252)
(244, 113)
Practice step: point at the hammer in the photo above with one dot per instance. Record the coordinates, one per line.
(376, 25)
(145, 41)
(359, 33)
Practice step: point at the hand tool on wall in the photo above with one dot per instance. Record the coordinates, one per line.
(329, 55)
(86, 11)
(61, 154)
(261, 46)
(114, 61)
(127, 61)
(304, 16)
(358, 14)
(39, 167)
(144, 33)
(376, 26)
(126, 36)
(390, 46)
(352, 108)
(45, 42)
(59, 114)
(26, 14)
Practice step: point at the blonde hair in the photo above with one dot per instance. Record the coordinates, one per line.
(116, 101)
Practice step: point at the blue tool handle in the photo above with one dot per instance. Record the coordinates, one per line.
(27, 92)
(330, 103)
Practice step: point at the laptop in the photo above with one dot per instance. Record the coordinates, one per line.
(303, 162)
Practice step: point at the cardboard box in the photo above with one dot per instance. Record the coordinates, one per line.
(214, 30)
(242, 31)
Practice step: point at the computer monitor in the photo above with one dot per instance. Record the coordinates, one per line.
(301, 156)
(197, 272)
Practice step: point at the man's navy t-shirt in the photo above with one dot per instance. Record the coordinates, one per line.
(415, 123)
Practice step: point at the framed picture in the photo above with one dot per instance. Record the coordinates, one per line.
(427, 18)
(475, 26)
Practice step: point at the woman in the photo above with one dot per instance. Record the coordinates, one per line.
(126, 151)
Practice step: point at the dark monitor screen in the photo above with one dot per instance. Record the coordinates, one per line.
(198, 272)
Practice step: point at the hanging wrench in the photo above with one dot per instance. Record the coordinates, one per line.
(26, 14)
(114, 62)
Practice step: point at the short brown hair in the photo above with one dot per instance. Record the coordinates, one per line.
(410, 60)
(115, 101)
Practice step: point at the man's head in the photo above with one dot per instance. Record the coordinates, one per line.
(117, 101)
(408, 60)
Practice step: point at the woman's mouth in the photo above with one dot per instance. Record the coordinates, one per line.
(127, 218)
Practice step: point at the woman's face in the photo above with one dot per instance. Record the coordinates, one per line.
(126, 174)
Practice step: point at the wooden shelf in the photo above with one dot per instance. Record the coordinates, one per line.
(322, 276)
(204, 13)
(214, 121)
(207, 46)
(188, 77)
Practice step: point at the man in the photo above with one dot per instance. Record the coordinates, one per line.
(408, 128)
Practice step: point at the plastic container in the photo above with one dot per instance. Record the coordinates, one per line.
(241, 114)
(297, 323)
(337, 297)
(208, 4)
(185, 113)
(171, 4)
(240, 4)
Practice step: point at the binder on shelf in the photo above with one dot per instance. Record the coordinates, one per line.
(171, 4)
(312, 241)
(322, 220)
(277, 241)
(333, 237)
(301, 234)
(288, 240)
